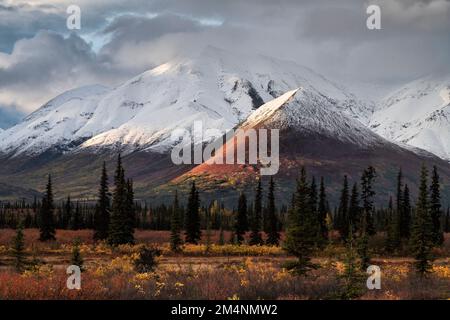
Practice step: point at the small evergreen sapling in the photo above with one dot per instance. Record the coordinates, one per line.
(77, 259)
(18, 249)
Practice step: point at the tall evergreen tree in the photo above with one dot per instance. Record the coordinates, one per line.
(175, 226)
(313, 196)
(399, 198)
(273, 237)
(435, 208)
(46, 221)
(367, 195)
(193, 232)
(422, 231)
(402, 214)
(447, 221)
(130, 206)
(343, 220)
(354, 209)
(241, 221)
(405, 222)
(68, 211)
(392, 228)
(119, 231)
(322, 211)
(255, 234)
(301, 233)
(75, 221)
(363, 245)
(103, 208)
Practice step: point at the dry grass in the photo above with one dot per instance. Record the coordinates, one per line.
(223, 272)
(248, 278)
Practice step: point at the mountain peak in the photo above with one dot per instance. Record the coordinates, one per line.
(417, 114)
(219, 88)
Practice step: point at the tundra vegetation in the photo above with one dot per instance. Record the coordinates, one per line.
(259, 249)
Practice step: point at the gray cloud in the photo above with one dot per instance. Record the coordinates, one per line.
(138, 43)
(328, 36)
(22, 20)
(46, 65)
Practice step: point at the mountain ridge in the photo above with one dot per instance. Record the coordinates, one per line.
(217, 88)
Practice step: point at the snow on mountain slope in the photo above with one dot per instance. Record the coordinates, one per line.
(298, 113)
(312, 132)
(418, 114)
(55, 124)
(217, 87)
(312, 115)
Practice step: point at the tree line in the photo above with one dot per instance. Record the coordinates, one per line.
(307, 222)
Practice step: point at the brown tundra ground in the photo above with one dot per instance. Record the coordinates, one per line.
(206, 272)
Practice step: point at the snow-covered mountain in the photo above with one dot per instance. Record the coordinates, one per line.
(216, 87)
(314, 134)
(301, 117)
(302, 111)
(418, 114)
(56, 124)
(222, 89)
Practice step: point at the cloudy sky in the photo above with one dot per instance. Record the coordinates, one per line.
(40, 57)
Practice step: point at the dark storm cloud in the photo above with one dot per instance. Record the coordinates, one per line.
(132, 36)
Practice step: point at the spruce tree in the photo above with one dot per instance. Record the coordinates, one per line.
(68, 210)
(322, 211)
(363, 246)
(46, 221)
(399, 198)
(447, 221)
(103, 208)
(193, 232)
(75, 221)
(130, 207)
(18, 249)
(401, 213)
(313, 196)
(392, 229)
(405, 222)
(241, 221)
(343, 220)
(352, 278)
(175, 226)
(354, 209)
(301, 233)
(255, 234)
(422, 231)
(435, 208)
(367, 195)
(273, 237)
(119, 231)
